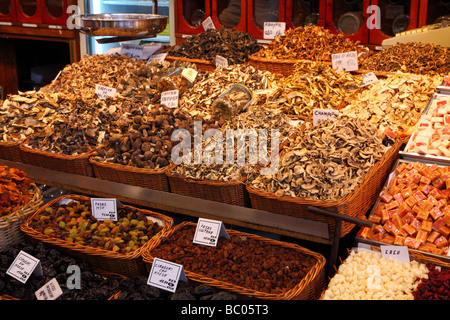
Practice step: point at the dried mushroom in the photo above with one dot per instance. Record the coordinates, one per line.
(411, 57)
(311, 85)
(394, 103)
(231, 44)
(144, 140)
(326, 161)
(198, 99)
(237, 151)
(309, 43)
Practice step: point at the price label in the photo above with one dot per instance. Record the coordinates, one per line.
(104, 208)
(132, 50)
(399, 253)
(103, 91)
(208, 232)
(24, 266)
(208, 24)
(221, 62)
(165, 275)
(170, 98)
(160, 57)
(274, 29)
(49, 291)
(323, 114)
(189, 74)
(368, 79)
(346, 61)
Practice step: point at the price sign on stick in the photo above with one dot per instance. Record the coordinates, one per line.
(132, 50)
(104, 208)
(208, 24)
(208, 232)
(165, 275)
(170, 98)
(49, 291)
(323, 114)
(346, 61)
(221, 62)
(24, 266)
(368, 79)
(103, 91)
(399, 253)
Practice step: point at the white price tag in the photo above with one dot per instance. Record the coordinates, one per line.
(160, 57)
(323, 114)
(399, 253)
(368, 79)
(208, 24)
(208, 232)
(23, 266)
(103, 91)
(221, 62)
(49, 291)
(189, 74)
(104, 208)
(5, 23)
(346, 61)
(170, 98)
(274, 29)
(165, 275)
(132, 50)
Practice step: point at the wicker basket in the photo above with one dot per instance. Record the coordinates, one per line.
(129, 264)
(10, 151)
(201, 64)
(354, 204)
(154, 179)
(232, 192)
(309, 288)
(78, 164)
(10, 233)
(7, 297)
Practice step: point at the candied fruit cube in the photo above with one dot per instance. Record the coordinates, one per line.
(386, 197)
(435, 213)
(433, 236)
(412, 243)
(409, 229)
(426, 225)
(441, 242)
(422, 236)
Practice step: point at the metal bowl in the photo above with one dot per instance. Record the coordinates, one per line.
(121, 24)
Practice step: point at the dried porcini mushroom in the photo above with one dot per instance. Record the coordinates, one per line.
(309, 43)
(394, 103)
(326, 161)
(231, 44)
(411, 57)
(311, 85)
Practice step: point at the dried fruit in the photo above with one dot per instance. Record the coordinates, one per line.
(15, 190)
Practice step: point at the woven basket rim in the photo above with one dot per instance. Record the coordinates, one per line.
(126, 168)
(86, 249)
(25, 210)
(170, 173)
(201, 61)
(390, 152)
(6, 144)
(290, 293)
(254, 57)
(27, 149)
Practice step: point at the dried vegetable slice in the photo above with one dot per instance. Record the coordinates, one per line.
(15, 191)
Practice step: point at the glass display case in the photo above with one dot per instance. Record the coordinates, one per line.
(191, 14)
(29, 11)
(305, 13)
(8, 10)
(229, 14)
(433, 11)
(349, 18)
(260, 11)
(55, 11)
(395, 16)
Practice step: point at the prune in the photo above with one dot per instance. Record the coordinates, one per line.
(224, 296)
(203, 290)
(182, 296)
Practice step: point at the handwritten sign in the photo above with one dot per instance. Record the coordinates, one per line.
(104, 208)
(160, 57)
(165, 275)
(368, 79)
(208, 232)
(208, 24)
(189, 74)
(274, 29)
(23, 266)
(132, 50)
(399, 253)
(221, 62)
(49, 291)
(346, 61)
(103, 92)
(170, 98)
(323, 114)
